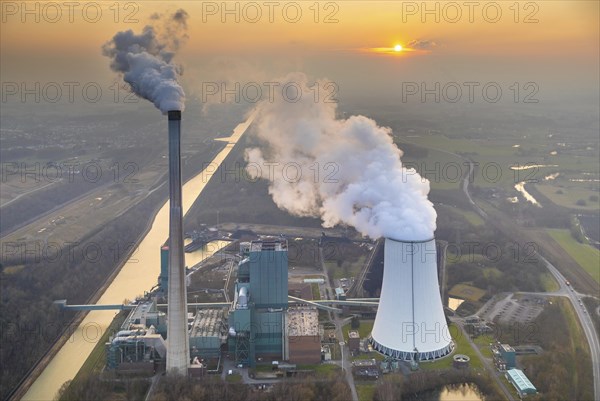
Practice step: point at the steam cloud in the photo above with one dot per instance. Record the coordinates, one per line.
(343, 171)
(145, 60)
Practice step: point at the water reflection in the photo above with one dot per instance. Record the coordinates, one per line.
(454, 303)
(450, 392)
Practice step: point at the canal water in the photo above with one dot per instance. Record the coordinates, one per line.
(139, 274)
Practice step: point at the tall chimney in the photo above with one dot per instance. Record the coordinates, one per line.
(177, 331)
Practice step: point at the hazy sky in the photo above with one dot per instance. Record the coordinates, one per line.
(552, 43)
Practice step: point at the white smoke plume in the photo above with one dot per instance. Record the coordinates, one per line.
(145, 60)
(342, 170)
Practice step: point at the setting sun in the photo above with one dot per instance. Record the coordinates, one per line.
(398, 48)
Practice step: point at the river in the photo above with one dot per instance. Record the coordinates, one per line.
(137, 275)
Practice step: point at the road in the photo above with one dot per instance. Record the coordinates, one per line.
(339, 323)
(586, 322)
(486, 363)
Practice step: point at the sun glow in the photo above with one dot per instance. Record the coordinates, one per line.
(398, 48)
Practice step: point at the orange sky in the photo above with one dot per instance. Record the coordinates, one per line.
(567, 36)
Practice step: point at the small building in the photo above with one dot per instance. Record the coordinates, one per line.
(508, 354)
(340, 294)
(521, 383)
(314, 280)
(326, 352)
(353, 341)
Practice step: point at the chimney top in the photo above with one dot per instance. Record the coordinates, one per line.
(174, 114)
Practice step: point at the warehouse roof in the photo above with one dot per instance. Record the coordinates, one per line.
(303, 321)
(520, 380)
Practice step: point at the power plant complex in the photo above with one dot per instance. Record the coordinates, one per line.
(261, 324)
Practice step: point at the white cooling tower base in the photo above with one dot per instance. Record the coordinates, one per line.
(411, 356)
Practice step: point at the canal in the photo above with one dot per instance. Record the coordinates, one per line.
(137, 275)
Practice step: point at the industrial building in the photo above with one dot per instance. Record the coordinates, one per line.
(208, 333)
(353, 341)
(304, 341)
(521, 383)
(504, 357)
(410, 323)
(139, 345)
(257, 317)
(261, 325)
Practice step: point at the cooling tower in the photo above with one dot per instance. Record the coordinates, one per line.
(410, 322)
(177, 331)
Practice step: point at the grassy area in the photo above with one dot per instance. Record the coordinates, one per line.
(567, 196)
(472, 217)
(576, 335)
(365, 391)
(462, 347)
(586, 256)
(365, 328)
(373, 355)
(467, 292)
(502, 152)
(549, 282)
(483, 343)
(321, 369)
(348, 268)
(316, 294)
(233, 378)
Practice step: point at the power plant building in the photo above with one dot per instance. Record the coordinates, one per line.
(208, 333)
(258, 315)
(304, 341)
(139, 345)
(410, 323)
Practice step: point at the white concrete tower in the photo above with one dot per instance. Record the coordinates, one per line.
(410, 322)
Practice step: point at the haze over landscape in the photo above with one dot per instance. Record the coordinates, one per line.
(382, 163)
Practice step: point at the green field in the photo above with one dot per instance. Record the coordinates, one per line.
(483, 343)
(321, 369)
(568, 195)
(468, 292)
(500, 152)
(462, 347)
(365, 328)
(316, 294)
(549, 282)
(233, 378)
(472, 217)
(365, 391)
(586, 256)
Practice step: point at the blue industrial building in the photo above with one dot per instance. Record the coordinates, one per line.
(258, 315)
